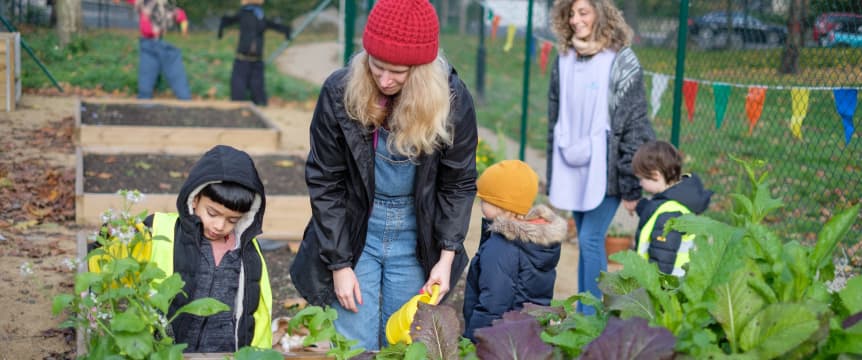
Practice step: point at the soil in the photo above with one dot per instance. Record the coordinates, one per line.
(37, 217)
(167, 115)
(162, 173)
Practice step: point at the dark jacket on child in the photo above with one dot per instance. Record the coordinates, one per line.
(663, 249)
(240, 280)
(515, 264)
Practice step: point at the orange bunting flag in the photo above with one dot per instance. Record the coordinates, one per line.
(754, 105)
(495, 23)
(689, 92)
(543, 56)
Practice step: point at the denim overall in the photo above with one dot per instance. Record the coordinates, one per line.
(388, 271)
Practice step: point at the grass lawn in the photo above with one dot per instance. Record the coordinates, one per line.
(109, 60)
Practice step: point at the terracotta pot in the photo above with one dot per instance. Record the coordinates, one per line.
(615, 244)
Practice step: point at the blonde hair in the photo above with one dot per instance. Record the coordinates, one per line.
(610, 29)
(420, 113)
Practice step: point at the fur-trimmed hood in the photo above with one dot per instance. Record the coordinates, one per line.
(540, 226)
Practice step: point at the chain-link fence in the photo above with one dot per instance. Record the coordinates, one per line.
(775, 80)
(94, 13)
(770, 80)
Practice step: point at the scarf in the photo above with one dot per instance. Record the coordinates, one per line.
(579, 179)
(586, 47)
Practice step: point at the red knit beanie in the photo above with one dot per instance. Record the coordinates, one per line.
(402, 32)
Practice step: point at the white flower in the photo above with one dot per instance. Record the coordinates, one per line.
(26, 269)
(71, 263)
(133, 196)
(107, 216)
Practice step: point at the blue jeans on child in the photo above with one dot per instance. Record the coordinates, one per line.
(388, 271)
(160, 57)
(592, 226)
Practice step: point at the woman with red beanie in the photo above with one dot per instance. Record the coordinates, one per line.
(391, 175)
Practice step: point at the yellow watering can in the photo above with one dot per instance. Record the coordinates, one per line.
(398, 325)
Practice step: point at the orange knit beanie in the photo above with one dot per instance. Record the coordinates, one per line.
(402, 32)
(510, 185)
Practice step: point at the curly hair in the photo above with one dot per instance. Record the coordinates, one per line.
(609, 29)
(420, 115)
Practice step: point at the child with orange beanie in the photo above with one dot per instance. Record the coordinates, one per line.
(519, 249)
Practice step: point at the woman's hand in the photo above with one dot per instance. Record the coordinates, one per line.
(440, 274)
(630, 205)
(346, 287)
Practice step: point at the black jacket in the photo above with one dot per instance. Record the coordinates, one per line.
(516, 263)
(222, 163)
(688, 192)
(340, 177)
(252, 25)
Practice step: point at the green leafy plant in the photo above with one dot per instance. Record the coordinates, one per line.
(485, 156)
(122, 303)
(746, 294)
(320, 324)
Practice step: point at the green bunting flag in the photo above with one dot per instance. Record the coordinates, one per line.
(722, 95)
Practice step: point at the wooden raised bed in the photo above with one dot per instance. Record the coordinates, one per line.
(172, 126)
(285, 218)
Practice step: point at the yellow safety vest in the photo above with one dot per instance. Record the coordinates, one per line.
(685, 245)
(163, 256)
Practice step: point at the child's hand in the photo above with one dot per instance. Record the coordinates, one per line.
(346, 287)
(630, 205)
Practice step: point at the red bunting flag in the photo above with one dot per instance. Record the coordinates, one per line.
(543, 56)
(754, 105)
(495, 23)
(689, 92)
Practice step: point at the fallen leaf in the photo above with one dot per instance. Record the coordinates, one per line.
(297, 302)
(143, 165)
(245, 113)
(104, 176)
(110, 159)
(24, 225)
(38, 212)
(164, 186)
(175, 174)
(5, 182)
(285, 163)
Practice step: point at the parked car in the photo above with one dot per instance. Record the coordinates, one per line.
(827, 22)
(710, 30)
(847, 32)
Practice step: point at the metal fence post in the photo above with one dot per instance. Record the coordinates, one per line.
(525, 98)
(349, 25)
(480, 57)
(680, 71)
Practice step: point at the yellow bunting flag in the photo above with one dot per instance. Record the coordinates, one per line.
(799, 96)
(510, 38)
(754, 105)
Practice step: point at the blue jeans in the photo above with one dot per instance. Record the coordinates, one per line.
(592, 258)
(388, 272)
(160, 57)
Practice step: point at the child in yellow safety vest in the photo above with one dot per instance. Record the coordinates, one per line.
(211, 243)
(658, 165)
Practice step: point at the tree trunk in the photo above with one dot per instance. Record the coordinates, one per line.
(444, 13)
(68, 20)
(462, 16)
(790, 57)
(630, 13)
